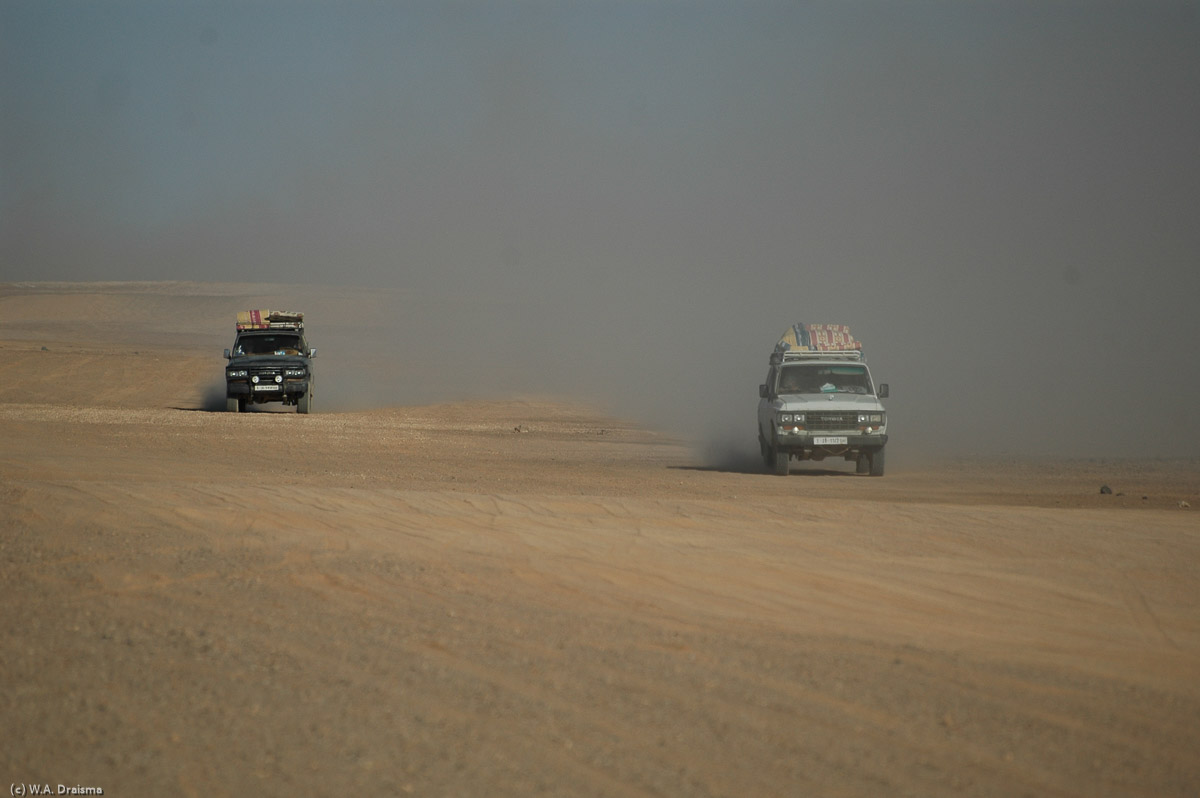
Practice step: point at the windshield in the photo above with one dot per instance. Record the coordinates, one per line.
(273, 344)
(813, 378)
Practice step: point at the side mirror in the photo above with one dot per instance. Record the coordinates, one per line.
(227, 355)
(883, 390)
(312, 352)
(762, 391)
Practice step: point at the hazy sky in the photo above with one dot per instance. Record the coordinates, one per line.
(1000, 198)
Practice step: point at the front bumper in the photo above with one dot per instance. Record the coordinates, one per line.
(286, 388)
(803, 441)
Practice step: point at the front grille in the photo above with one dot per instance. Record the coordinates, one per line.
(266, 373)
(827, 421)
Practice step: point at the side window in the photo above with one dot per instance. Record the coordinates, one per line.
(770, 381)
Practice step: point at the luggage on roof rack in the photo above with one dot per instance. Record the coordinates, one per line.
(811, 341)
(269, 320)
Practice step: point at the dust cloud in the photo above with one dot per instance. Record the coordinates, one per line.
(626, 205)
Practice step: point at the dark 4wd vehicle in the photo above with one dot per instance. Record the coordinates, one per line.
(270, 362)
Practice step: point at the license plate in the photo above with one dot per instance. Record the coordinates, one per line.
(269, 387)
(835, 441)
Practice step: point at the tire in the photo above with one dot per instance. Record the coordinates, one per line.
(863, 465)
(233, 404)
(877, 463)
(780, 463)
(304, 404)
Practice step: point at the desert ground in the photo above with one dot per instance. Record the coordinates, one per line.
(514, 596)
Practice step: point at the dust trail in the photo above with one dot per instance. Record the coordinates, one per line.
(626, 203)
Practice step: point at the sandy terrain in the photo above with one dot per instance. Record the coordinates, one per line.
(525, 598)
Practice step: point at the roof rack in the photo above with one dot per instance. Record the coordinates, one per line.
(795, 355)
(273, 325)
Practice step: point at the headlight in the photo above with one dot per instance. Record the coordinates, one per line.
(785, 418)
(278, 378)
(294, 372)
(870, 418)
(254, 379)
(791, 418)
(235, 374)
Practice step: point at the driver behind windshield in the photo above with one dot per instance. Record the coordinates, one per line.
(269, 344)
(823, 379)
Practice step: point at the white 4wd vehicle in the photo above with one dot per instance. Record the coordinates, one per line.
(819, 401)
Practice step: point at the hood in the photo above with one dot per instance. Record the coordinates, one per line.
(244, 361)
(836, 402)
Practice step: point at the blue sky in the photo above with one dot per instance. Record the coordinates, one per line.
(649, 165)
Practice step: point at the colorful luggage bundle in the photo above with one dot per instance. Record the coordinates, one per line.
(817, 337)
(269, 319)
